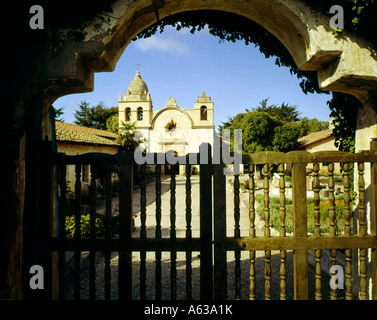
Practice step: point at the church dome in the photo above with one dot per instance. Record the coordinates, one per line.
(137, 85)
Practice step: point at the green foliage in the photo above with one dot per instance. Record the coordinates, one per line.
(83, 114)
(285, 112)
(285, 137)
(307, 126)
(272, 127)
(274, 212)
(257, 130)
(58, 113)
(95, 116)
(324, 204)
(84, 225)
(112, 123)
(126, 137)
(359, 16)
(343, 109)
(226, 124)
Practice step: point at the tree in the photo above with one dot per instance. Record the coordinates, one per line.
(284, 112)
(226, 124)
(257, 130)
(112, 123)
(342, 110)
(58, 113)
(100, 114)
(82, 115)
(307, 126)
(126, 137)
(94, 117)
(271, 127)
(267, 127)
(285, 137)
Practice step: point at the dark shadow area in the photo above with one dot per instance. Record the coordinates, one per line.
(150, 279)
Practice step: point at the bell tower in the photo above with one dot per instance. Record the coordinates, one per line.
(203, 116)
(136, 105)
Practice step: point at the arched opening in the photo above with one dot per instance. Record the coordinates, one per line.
(140, 114)
(128, 114)
(295, 36)
(203, 113)
(83, 51)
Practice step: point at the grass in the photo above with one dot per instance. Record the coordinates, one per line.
(324, 214)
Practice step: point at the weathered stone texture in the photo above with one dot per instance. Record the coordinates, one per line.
(62, 60)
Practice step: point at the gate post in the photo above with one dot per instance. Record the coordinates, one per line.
(373, 216)
(206, 274)
(125, 228)
(300, 257)
(220, 252)
(44, 227)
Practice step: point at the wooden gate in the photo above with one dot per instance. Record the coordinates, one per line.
(120, 240)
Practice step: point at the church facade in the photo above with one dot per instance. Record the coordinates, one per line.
(171, 128)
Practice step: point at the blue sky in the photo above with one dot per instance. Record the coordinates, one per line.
(182, 65)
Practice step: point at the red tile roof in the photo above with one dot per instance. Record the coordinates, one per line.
(72, 133)
(314, 137)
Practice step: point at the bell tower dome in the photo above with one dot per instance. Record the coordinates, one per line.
(137, 89)
(136, 106)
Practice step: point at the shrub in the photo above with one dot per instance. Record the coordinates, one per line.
(323, 208)
(84, 225)
(275, 213)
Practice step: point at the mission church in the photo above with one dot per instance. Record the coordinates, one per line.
(171, 128)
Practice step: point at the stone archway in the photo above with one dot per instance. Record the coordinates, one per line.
(345, 64)
(65, 60)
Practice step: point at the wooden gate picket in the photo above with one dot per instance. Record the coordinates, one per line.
(300, 256)
(206, 273)
(220, 250)
(213, 244)
(125, 232)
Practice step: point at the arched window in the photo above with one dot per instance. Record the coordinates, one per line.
(203, 113)
(128, 114)
(140, 114)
